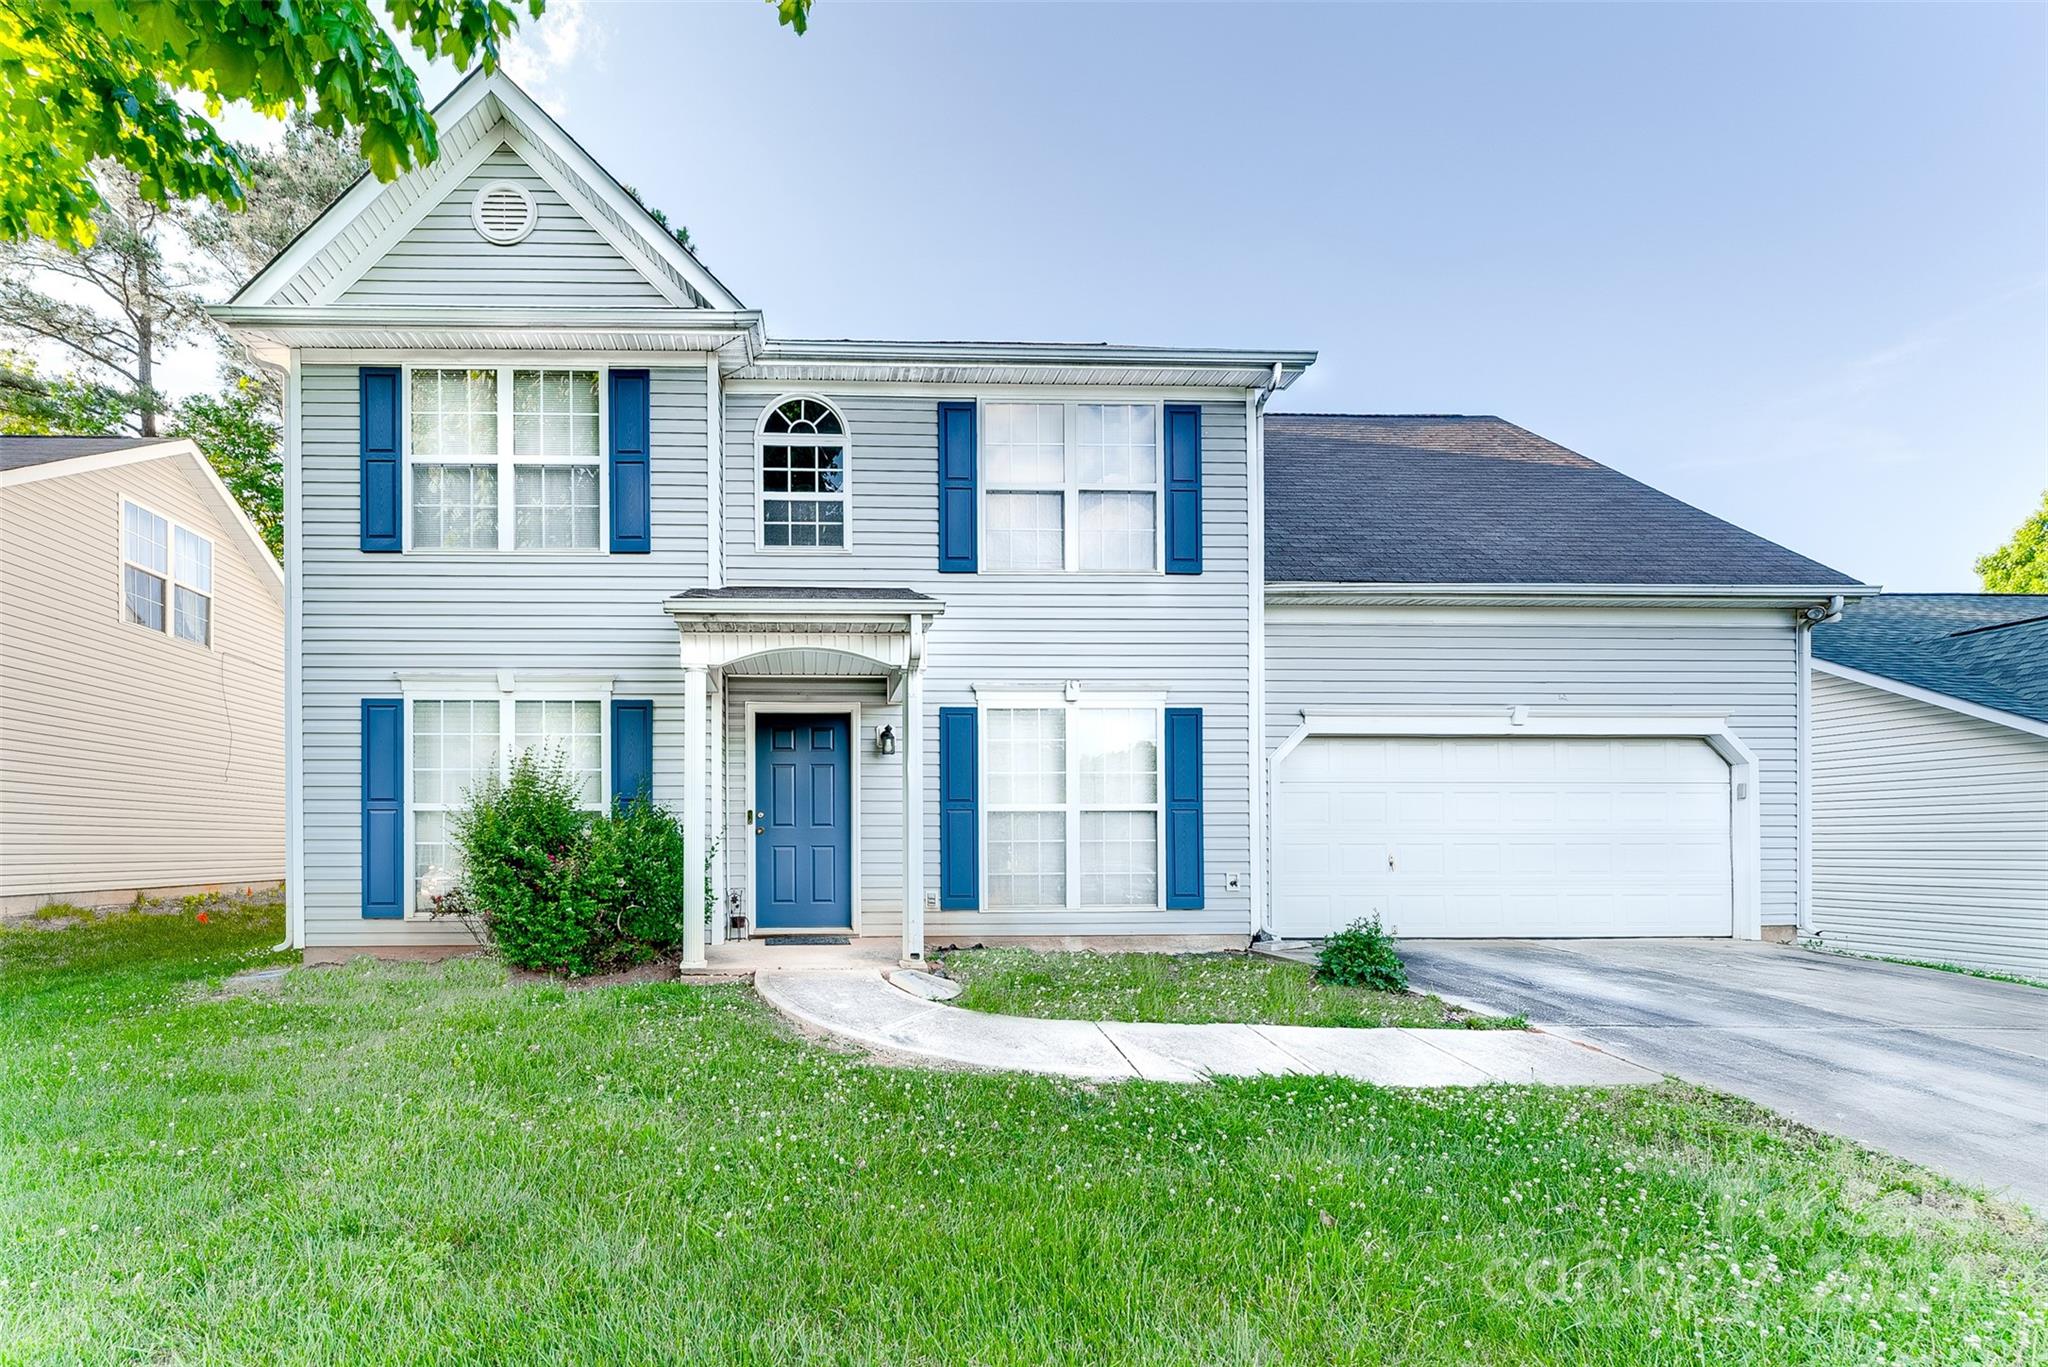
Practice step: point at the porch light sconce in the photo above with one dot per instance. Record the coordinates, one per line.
(885, 741)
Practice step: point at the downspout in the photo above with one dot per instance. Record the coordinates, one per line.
(294, 670)
(1802, 754)
(1255, 445)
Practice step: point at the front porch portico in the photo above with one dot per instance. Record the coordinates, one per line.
(797, 644)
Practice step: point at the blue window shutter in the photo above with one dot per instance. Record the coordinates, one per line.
(384, 808)
(959, 810)
(632, 748)
(382, 493)
(1184, 489)
(957, 461)
(1184, 808)
(631, 477)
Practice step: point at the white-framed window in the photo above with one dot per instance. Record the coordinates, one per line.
(1071, 803)
(803, 484)
(1071, 486)
(166, 575)
(505, 458)
(455, 743)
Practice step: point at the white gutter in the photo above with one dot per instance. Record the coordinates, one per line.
(1288, 365)
(1752, 595)
(1947, 703)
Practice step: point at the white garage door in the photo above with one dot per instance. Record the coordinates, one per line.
(1520, 838)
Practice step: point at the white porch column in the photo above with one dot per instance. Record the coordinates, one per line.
(913, 814)
(715, 822)
(693, 807)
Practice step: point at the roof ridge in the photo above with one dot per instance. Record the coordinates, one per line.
(1998, 626)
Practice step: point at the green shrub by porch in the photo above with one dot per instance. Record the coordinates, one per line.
(561, 889)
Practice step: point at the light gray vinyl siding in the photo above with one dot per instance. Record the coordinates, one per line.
(1930, 832)
(130, 758)
(563, 262)
(369, 618)
(1189, 635)
(1419, 661)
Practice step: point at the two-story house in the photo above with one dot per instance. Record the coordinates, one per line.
(141, 671)
(960, 641)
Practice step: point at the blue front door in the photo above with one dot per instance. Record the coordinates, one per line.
(803, 823)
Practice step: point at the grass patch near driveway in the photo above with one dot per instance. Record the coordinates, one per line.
(1964, 970)
(1185, 989)
(429, 1162)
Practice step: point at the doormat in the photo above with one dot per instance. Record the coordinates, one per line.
(812, 939)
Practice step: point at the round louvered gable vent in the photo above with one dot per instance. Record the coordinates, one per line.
(503, 213)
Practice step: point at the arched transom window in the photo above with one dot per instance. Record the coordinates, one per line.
(803, 477)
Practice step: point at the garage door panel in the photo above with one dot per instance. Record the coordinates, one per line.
(1504, 837)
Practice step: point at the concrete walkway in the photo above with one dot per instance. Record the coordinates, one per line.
(859, 1005)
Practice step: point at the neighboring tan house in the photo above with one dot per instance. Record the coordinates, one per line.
(957, 641)
(141, 676)
(1930, 780)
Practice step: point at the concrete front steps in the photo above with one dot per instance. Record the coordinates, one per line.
(862, 1006)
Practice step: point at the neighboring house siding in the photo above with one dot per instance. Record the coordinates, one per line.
(369, 618)
(130, 758)
(565, 262)
(1187, 634)
(1425, 661)
(1930, 832)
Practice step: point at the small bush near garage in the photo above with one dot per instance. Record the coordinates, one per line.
(1362, 955)
(559, 889)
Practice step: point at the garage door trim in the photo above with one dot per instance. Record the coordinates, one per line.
(1745, 826)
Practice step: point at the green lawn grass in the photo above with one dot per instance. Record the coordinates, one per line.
(1188, 989)
(413, 1163)
(1938, 965)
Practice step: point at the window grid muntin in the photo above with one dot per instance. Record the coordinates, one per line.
(498, 718)
(802, 498)
(1005, 734)
(1103, 449)
(506, 452)
(167, 568)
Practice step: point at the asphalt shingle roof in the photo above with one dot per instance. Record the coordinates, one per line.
(1986, 648)
(18, 453)
(1427, 499)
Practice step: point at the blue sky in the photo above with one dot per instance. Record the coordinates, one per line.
(1790, 264)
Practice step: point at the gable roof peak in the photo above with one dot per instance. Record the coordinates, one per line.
(481, 112)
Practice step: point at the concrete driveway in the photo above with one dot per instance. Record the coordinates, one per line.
(1947, 1070)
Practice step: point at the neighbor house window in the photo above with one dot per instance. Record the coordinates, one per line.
(1072, 806)
(803, 477)
(1070, 486)
(166, 575)
(505, 459)
(460, 744)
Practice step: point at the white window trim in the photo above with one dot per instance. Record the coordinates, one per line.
(762, 438)
(1072, 701)
(508, 689)
(1070, 489)
(505, 461)
(172, 583)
